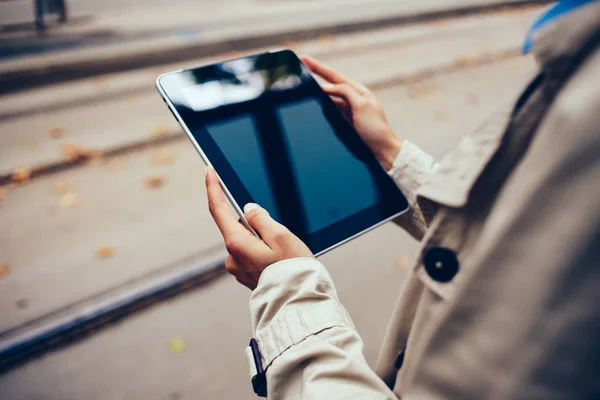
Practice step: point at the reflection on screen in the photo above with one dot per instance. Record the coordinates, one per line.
(281, 141)
(325, 173)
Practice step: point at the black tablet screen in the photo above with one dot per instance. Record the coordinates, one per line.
(284, 141)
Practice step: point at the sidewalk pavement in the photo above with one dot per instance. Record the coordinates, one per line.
(166, 33)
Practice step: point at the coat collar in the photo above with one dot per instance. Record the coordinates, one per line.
(557, 45)
(555, 48)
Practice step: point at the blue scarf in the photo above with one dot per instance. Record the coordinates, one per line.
(551, 15)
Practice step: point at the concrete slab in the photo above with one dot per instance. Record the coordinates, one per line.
(179, 32)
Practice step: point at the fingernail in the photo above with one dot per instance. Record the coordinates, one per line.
(249, 207)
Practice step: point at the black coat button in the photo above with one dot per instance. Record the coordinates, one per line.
(441, 264)
(400, 359)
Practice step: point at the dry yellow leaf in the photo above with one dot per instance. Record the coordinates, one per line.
(4, 270)
(94, 157)
(21, 175)
(2, 193)
(159, 129)
(72, 152)
(155, 182)
(290, 44)
(421, 91)
(56, 132)
(326, 39)
(100, 80)
(177, 345)
(231, 55)
(163, 157)
(105, 251)
(466, 62)
(69, 200)
(116, 163)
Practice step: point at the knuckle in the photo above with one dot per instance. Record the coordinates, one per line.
(233, 246)
(361, 102)
(280, 235)
(230, 265)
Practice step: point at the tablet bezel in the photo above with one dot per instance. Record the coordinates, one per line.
(320, 241)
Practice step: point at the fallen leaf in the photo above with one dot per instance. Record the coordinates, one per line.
(155, 182)
(177, 345)
(69, 200)
(56, 132)
(405, 262)
(62, 187)
(100, 80)
(421, 91)
(2, 193)
(4, 270)
(326, 39)
(72, 152)
(290, 44)
(21, 175)
(231, 55)
(438, 22)
(159, 129)
(163, 157)
(94, 157)
(116, 163)
(105, 251)
(466, 62)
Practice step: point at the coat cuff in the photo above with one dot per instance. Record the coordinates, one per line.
(294, 299)
(412, 168)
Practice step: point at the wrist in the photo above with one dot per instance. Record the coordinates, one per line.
(387, 154)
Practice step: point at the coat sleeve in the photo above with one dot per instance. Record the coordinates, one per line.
(527, 323)
(308, 343)
(412, 168)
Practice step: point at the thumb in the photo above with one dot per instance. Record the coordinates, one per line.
(259, 219)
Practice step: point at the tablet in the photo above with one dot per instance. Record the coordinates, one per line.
(276, 139)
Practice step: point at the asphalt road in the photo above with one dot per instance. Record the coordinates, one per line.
(436, 81)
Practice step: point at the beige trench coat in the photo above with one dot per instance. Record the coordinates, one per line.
(504, 299)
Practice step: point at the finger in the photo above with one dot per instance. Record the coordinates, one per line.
(269, 230)
(325, 72)
(330, 74)
(342, 105)
(346, 92)
(233, 267)
(226, 220)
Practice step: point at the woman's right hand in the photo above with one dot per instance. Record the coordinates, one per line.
(362, 110)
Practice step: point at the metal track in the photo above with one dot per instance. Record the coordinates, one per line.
(83, 319)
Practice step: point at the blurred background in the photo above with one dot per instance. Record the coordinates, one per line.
(111, 278)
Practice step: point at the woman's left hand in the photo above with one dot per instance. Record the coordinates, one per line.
(249, 255)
